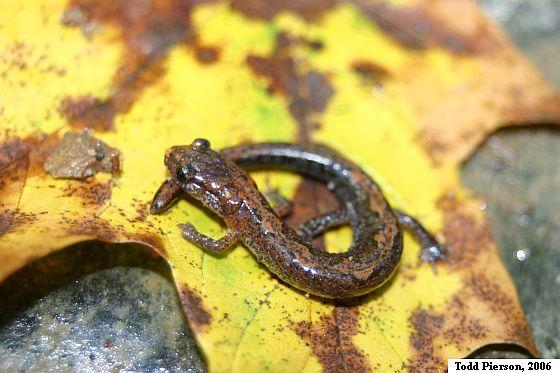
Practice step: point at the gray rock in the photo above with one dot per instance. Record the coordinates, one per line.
(518, 175)
(95, 307)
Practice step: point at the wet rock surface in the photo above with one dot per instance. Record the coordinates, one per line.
(517, 174)
(534, 26)
(95, 307)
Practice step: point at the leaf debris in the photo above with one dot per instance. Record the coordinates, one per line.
(80, 156)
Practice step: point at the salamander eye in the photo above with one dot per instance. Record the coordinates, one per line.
(201, 144)
(185, 172)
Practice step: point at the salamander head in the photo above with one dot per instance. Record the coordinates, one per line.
(204, 174)
(182, 160)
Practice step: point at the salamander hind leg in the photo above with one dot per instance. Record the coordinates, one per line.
(315, 226)
(191, 234)
(432, 250)
(280, 204)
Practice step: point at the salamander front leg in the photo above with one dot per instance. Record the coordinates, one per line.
(432, 250)
(191, 234)
(165, 197)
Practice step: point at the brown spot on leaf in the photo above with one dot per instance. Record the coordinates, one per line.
(88, 112)
(96, 227)
(268, 9)
(485, 309)
(427, 326)
(432, 25)
(21, 56)
(207, 55)
(311, 199)
(6, 220)
(103, 230)
(462, 326)
(408, 273)
(316, 45)
(41, 148)
(18, 160)
(435, 146)
(490, 292)
(371, 74)
(466, 235)
(193, 307)
(16, 55)
(14, 162)
(21, 219)
(434, 330)
(370, 71)
(90, 192)
(13, 151)
(308, 91)
(505, 305)
(149, 29)
(142, 212)
(331, 341)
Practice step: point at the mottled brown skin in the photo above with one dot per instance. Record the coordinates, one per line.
(215, 179)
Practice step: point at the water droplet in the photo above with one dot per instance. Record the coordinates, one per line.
(522, 254)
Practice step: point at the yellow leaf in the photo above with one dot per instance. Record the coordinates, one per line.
(403, 89)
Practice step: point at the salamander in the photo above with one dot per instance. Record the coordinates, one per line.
(220, 181)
